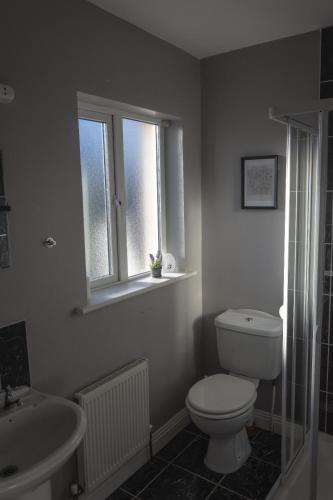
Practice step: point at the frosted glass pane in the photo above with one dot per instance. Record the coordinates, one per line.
(95, 204)
(140, 165)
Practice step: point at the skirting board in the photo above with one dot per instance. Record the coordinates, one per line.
(160, 438)
(263, 420)
(169, 430)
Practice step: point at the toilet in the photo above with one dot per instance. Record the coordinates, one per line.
(249, 344)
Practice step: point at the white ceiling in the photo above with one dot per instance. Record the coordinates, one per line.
(207, 27)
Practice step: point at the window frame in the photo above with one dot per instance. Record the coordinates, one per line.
(115, 189)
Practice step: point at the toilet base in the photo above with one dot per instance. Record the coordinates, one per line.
(227, 454)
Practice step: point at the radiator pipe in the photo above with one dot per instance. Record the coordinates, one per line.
(76, 490)
(273, 404)
(151, 441)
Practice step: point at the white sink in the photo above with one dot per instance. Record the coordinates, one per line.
(36, 439)
(281, 312)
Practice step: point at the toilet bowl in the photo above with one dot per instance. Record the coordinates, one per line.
(220, 406)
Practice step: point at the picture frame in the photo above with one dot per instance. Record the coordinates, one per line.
(260, 182)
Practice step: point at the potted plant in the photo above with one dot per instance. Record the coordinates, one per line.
(156, 265)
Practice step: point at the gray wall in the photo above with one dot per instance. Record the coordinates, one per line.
(243, 249)
(49, 50)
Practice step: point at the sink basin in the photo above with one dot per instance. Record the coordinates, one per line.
(281, 312)
(36, 439)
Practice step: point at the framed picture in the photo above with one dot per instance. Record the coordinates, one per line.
(259, 181)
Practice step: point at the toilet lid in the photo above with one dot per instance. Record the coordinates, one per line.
(221, 394)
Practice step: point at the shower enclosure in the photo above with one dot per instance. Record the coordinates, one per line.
(306, 160)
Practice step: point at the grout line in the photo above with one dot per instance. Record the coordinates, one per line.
(211, 493)
(168, 464)
(195, 438)
(192, 433)
(163, 460)
(220, 485)
(127, 492)
(196, 434)
(185, 448)
(151, 481)
(329, 331)
(265, 462)
(221, 480)
(328, 392)
(197, 474)
(232, 491)
(253, 440)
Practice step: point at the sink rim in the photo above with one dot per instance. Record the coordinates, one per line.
(32, 477)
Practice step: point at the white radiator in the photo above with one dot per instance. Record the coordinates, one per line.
(117, 409)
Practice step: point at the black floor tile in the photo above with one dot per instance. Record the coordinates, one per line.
(176, 484)
(254, 480)
(119, 495)
(171, 450)
(252, 432)
(192, 459)
(193, 429)
(188, 478)
(143, 476)
(223, 494)
(267, 446)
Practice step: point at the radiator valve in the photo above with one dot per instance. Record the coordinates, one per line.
(76, 490)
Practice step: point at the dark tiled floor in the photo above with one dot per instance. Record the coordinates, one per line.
(178, 472)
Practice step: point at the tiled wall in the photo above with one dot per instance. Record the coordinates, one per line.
(14, 362)
(326, 374)
(326, 76)
(4, 250)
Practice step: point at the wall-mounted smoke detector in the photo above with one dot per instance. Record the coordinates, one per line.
(7, 93)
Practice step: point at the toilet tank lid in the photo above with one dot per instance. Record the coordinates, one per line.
(250, 321)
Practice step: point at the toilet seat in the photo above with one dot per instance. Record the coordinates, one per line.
(221, 396)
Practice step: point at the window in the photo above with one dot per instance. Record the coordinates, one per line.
(122, 182)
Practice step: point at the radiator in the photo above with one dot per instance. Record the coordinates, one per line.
(117, 409)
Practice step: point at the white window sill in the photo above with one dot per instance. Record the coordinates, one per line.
(123, 291)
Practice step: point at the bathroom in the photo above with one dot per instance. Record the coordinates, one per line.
(214, 101)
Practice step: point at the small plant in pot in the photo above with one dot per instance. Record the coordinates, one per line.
(156, 265)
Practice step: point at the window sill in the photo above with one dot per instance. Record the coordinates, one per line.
(123, 291)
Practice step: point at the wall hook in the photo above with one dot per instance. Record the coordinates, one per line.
(49, 242)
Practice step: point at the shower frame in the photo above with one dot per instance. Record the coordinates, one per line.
(291, 117)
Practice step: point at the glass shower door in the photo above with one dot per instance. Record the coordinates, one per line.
(300, 242)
